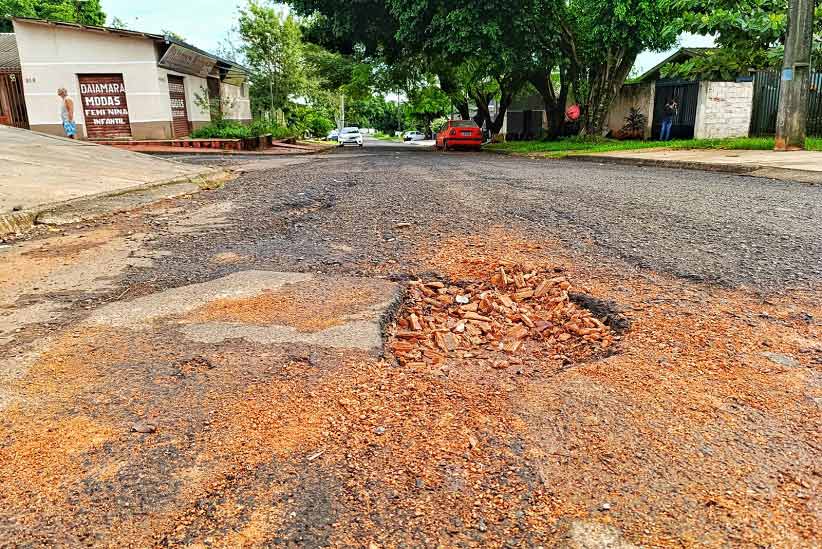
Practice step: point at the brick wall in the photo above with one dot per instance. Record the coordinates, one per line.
(724, 109)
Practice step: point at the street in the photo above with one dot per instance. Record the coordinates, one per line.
(159, 386)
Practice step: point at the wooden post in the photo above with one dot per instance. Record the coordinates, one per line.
(796, 74)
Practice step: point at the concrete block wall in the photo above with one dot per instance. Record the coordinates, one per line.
(638, 96)
(723, 110)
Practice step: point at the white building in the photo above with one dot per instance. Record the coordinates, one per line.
(125, 84)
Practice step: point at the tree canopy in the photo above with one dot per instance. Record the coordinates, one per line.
(271, 46)
(89, 12)
(483, 51)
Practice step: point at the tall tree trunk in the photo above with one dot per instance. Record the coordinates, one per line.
(604, 82)
(554, 104)
(506, 98)
(482, 100)
(464, 109)
(508, 88)
(449, 86)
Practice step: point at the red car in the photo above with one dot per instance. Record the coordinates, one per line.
(460, 133)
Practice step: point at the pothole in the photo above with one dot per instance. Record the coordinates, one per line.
(514, 312)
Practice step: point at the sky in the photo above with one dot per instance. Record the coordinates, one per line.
(206, 23)
(203, 23)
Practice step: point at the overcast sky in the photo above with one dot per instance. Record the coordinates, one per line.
(205, 23)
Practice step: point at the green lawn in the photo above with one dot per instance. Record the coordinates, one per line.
(573, 145)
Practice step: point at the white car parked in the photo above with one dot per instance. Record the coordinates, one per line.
(334, 135)
(413, 136)
(350, 136)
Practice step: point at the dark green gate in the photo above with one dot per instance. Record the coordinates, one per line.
(686, 93)
(766, 103)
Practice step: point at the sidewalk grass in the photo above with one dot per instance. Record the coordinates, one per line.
(576, 145)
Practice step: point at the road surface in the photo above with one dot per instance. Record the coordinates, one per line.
(162, 385)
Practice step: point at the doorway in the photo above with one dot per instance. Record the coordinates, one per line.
(686, 93)
(181, 126)
(12, 101)
(105, 106)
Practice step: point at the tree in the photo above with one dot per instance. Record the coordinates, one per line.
(272, 48)
(88, 12)
(426, 104)
(486, 50)
(483, 51)
(601, 40)
(749, 34)
(173, 35)
(117, 23)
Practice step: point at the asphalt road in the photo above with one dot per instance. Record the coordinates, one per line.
(736, 231)
(161, 387)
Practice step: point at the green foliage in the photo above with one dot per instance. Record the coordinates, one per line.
(261, 126)
(231, 129)
(173, 35)
(425, 104)
(215, 106)
(602, 39)
(225, 129)
(635, 122)
(438, 124)
(273, 51)
(86, 13)
(750, 34)
(117, 23)
(569, 146)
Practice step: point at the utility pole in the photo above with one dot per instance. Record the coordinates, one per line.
(399, 113)
(796, 74)
(342, 111)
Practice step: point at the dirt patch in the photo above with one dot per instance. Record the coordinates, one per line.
(310, 306)
(227, 258)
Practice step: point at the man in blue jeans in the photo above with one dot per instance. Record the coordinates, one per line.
(670, 112)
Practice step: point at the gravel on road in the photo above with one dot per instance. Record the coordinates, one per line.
(342, 212)
(698, 426)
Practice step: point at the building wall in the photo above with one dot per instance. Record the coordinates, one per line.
(724, 109)
(52, 58)
(240, 102)
(198, 115)
(639, 96)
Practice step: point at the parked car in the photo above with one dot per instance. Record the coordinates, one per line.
(460, 133)
(334, 135)
(350, 136)
(413, 136)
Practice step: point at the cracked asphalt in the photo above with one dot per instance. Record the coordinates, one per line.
(761, 234)
(118, 427)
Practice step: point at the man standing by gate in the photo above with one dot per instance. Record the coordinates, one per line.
(670, 112)
(67, 113)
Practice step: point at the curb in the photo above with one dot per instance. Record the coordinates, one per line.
(659, 163)
(86, 208)
(240, 154)
(750, 170)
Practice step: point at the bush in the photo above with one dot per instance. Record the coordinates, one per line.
(263, 127)
(438, 124)
(318, 125)
(225, 129)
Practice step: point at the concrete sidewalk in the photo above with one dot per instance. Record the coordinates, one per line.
(804, 166)
(42, 172)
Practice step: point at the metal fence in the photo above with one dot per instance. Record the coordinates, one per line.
(766, 103)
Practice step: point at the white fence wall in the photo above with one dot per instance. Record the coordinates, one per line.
(724, 110)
